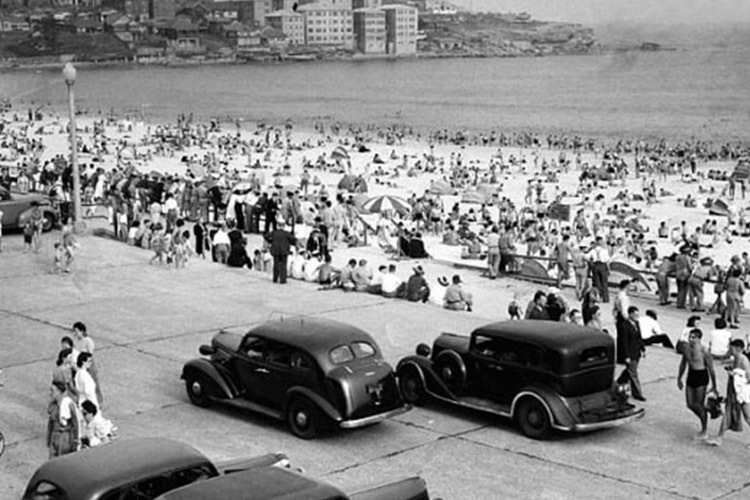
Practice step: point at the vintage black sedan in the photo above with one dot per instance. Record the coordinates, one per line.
(142, 468)
(544, 375)
(17, 207)
(310, 372)
(274, 483)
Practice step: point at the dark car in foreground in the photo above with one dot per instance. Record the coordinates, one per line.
(544, 375)
(273, 483)
(312, 373)
(16, 208)
(139, 469)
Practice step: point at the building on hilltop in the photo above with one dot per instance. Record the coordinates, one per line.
(328, 24)
(401, 29)
(291, 23)
(366, 4)
(347, 4)
(277, 5)
(369, 30)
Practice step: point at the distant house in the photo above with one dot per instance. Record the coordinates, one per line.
(178, 28)
(88, 26)
(249, 41)
(274, 38)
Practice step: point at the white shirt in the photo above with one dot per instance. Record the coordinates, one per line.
(310, 269)
(297, 267)
(86, 387)
(649, 327)
(391, 283)
(221, 237)
(599, 254)
(718, 342)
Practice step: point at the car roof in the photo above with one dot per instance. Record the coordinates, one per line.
(553, 334)
(95, 471)
(313, 335)
(267, 483)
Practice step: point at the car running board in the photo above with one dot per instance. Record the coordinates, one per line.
(479, 404)
(254, 407)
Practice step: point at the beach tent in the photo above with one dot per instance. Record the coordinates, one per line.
(353, 184)
(441, 187)
(720, 208)
(473, 197)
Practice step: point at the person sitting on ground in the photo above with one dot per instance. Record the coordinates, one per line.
(417, 288)
(296, 265)
(328, 276)
(347, 278)
(473, 248)
(651, 331)
(361, 276)
(311, 268)
(416, 247)
(450, 236)
(456, 298)
(392, 285)
(376, 282)
(350, 238)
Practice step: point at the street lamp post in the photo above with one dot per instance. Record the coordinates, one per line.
(69, 73)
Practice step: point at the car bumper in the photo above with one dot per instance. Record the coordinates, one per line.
(373, 419)
(603, 424)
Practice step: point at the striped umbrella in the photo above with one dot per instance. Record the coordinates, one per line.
(340, 152)
(380, 204)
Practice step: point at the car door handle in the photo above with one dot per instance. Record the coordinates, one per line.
(497, 368)
(261, 370)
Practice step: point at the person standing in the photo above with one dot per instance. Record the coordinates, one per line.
(630, 348)
(621, 306)
(281, 242)
(562, 254)
(599, 257)
(84, 343)
(683, 270)
(85, 385)
(739, 394)
(700, 370)
(666, 268)
(735, 291)
(493, 252)
(220, 244)
(62, 423)
(580, 268)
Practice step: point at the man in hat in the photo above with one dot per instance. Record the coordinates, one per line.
(280, 241)
(456, 298)
(417, 288)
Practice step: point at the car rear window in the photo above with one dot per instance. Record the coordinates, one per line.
(47, 491)
(345, 353)
(341, 354)
(593, 356)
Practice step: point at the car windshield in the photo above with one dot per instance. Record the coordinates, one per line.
(344, 353)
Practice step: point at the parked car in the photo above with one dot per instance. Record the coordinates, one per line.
(139, 469)
(544, 375)
(273, 483)
(310, 372)
(16, 208)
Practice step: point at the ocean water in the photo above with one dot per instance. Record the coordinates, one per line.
(698, 91)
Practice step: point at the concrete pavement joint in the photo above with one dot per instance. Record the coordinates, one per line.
(733, 491)
(574, 468)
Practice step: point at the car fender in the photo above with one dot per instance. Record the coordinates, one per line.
(413, 488)
(434, 385)
(556, 408)
(206, 368)
(316, 398)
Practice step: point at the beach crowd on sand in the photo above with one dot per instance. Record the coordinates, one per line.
(301, 205)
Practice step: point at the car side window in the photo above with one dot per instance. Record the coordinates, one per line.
(279, 354)
(47, 491)
(514, 353)
(254, 347)
(301, 361)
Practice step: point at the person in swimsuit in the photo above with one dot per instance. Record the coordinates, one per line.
(700, 370)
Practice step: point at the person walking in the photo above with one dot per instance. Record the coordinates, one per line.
(280, 241)
(599, 257)
(700, 368)
(84, 343)
(630, 348)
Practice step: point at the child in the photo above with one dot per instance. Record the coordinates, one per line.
(28, 236)
(59, 255)
(514, 310)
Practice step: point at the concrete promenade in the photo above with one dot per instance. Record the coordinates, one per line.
(147, 321)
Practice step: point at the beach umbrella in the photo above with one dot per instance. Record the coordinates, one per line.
(473, 197)
(380, 204)
(340, 153)
(441, 187)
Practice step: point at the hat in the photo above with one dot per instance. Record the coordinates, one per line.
(418, 270)
(456, 278)
(707, 261)
(553, 290)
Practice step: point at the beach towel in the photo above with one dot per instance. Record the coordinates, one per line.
(733, 409)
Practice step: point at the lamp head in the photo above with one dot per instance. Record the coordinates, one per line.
(69, 73)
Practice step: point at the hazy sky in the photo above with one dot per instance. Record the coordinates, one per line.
(603, 11)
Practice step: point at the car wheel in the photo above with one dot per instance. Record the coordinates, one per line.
(303, 418)
(48, 223)
(533, 419)
(451, 370)
(197, 389)
(411, 383)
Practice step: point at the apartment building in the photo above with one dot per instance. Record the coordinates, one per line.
(369, 30)
(291, 23)
(328, 24)
(401, 29)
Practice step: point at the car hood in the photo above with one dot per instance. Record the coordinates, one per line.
(29, 197)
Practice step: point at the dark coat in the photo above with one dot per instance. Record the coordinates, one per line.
(281, 242)
(629, 341)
